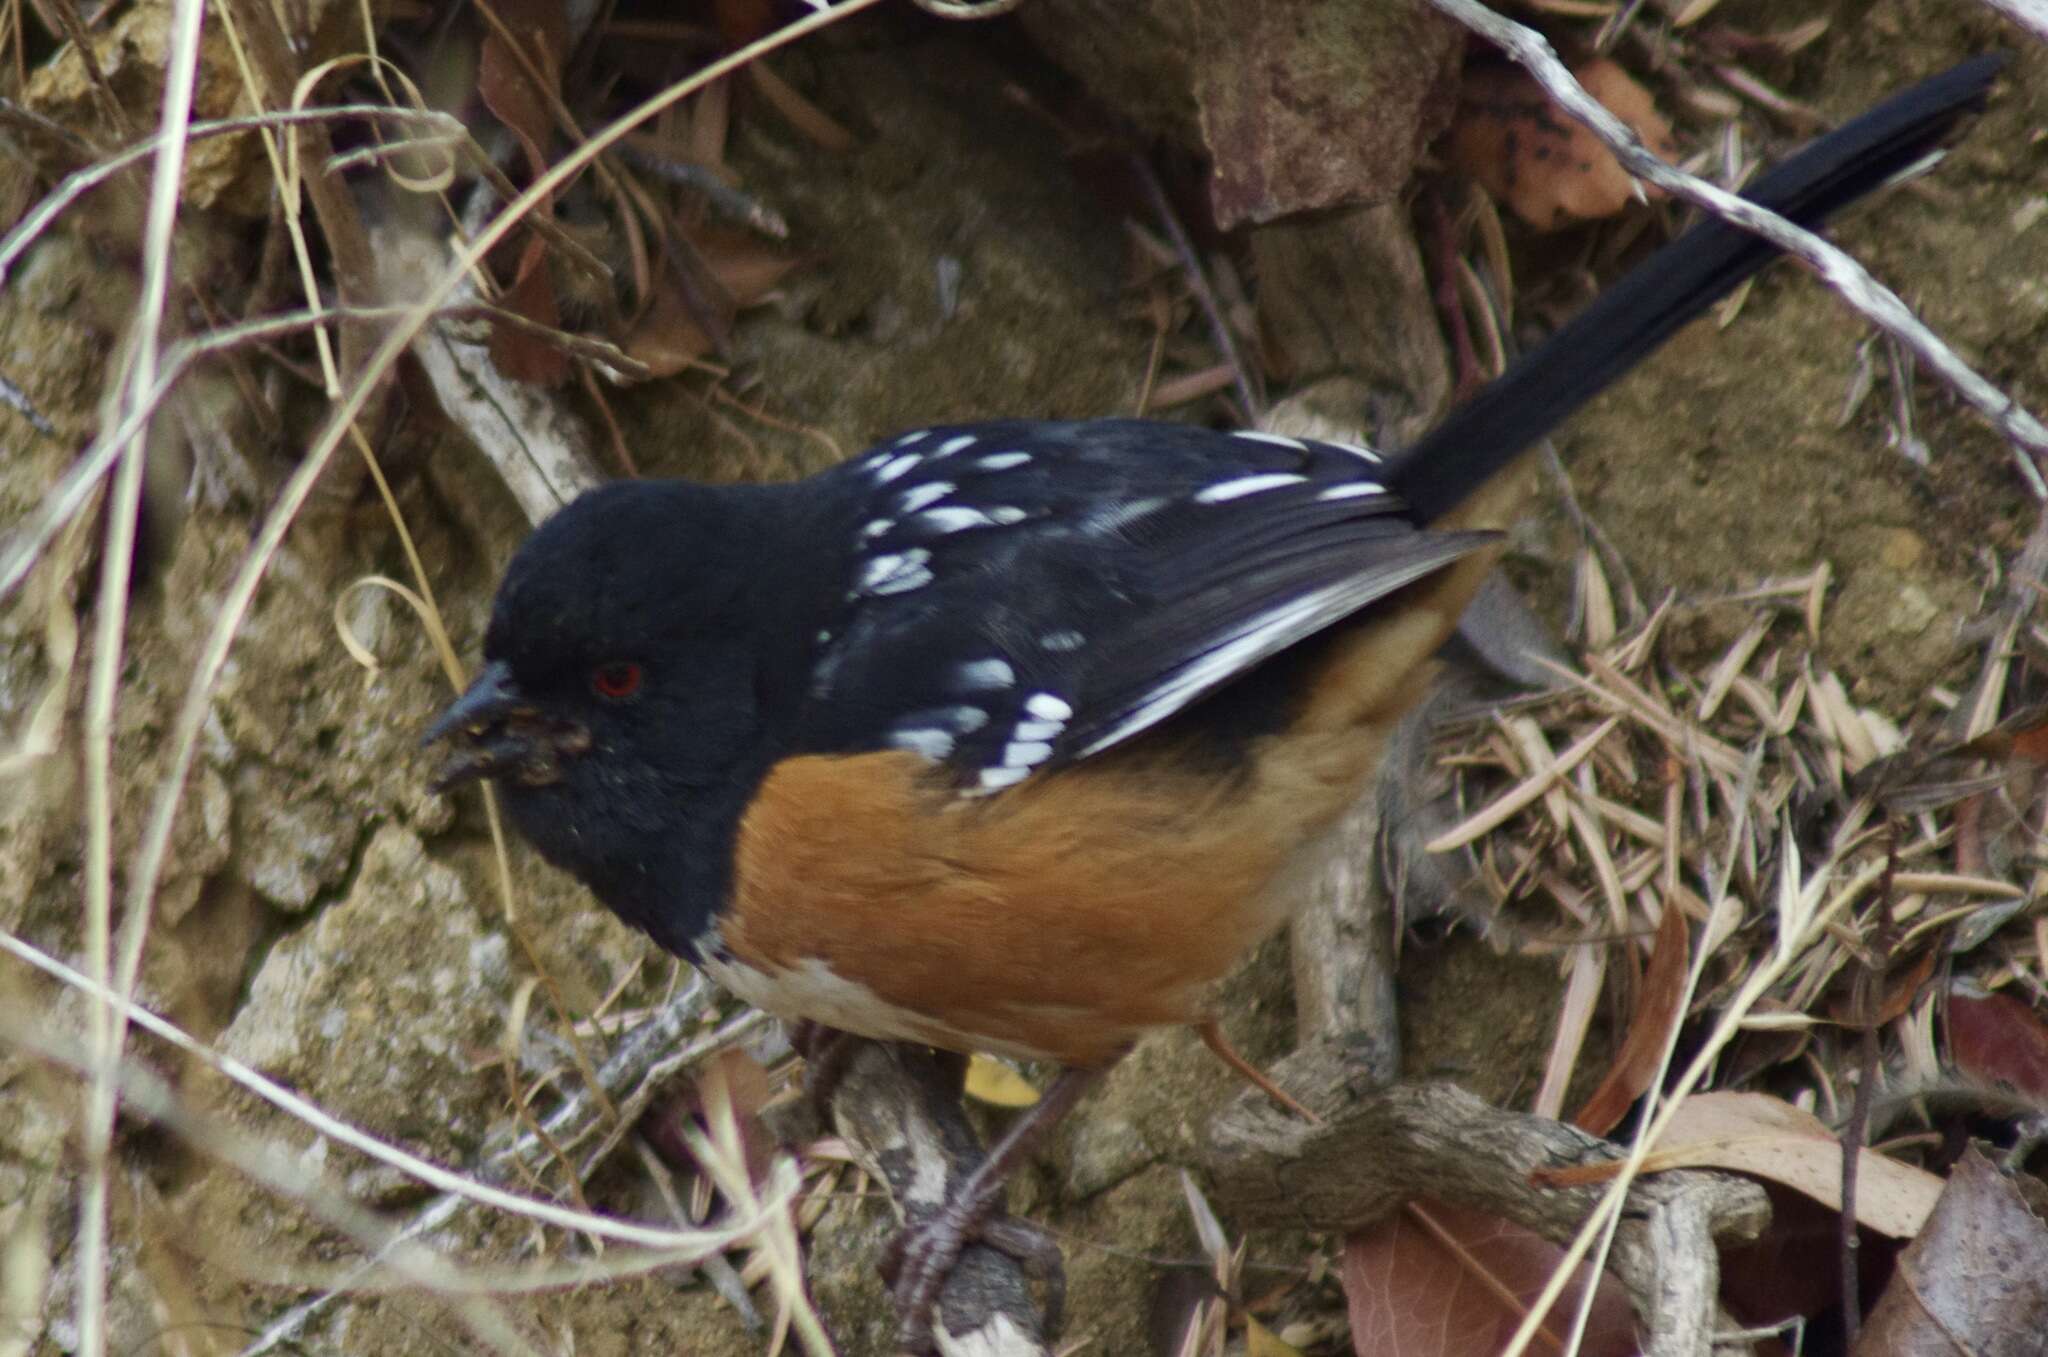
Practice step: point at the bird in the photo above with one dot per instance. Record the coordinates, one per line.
(997, 737)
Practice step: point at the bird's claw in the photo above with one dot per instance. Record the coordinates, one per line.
(922, 1257)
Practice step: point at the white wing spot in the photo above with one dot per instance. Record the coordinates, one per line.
(1037, 730)
(1006, 514)
(933, 744)
(952, 519)
(1002, 461)
(913, 436)
(1047, 707)
(878, 527)
(995, 779)
(896, 466)
(953, 445)
(1277, 440)
(1247, 485)
(1063, 640)
(987, 674)
(913, 500)
(897, 574)
(915, 578)
(1025, 753)
(1352, 490)
(1357, 450)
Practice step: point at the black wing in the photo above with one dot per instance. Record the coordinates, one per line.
(1028, 594)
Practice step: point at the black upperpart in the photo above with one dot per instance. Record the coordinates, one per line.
(1006, 598)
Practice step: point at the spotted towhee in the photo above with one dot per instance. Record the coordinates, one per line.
(996, 737)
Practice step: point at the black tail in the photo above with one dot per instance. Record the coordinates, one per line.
(1627, 322)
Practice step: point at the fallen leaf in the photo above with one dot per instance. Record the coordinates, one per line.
(1900, 991)
(1549, 170)
(991, 1081)
(1975, 1281)
(1260, 1341)
(1442, 1281)
(1657, 1012)
(1777, 1275)
(541, 31)
(519, 355)
(1999, 1040)
(667, 337)
(1769, 1137)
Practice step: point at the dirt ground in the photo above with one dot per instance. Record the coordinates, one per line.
(328, 920)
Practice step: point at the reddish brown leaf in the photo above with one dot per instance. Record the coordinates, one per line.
(1998, 1039)
(541, 30)
(1786, 1271)
(1658, 1010)
(1976, 1279)
(1544, 166)
(1442, 1281)
(521, 356)
(667, 338)
(743, 265)
(1899, 992)
(742, 21)
(2031, 744)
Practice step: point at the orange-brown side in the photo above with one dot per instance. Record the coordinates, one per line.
(1068, 914)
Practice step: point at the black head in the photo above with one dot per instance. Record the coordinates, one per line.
(638, 647)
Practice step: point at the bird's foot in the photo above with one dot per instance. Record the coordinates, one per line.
(923, 1256)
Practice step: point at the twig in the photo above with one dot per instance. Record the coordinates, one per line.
(136, 379)
(82, 182)
(1847, 278)
(1198, 283)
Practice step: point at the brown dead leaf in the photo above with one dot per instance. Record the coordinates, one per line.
(745, 266)
(1901, 988)
(666, 337)
(541, 30)
(1529, 155)
(742, 21)
(1999, 1040)
(1441, 1281)
(1975, 1281)
(1769, 1137)
(1658, 1010)
(519, 355)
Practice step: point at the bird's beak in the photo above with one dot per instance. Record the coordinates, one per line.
(494, 731)
(490, 698)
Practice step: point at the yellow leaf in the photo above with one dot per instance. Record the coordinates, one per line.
(1260, 1341)
(990, 1081)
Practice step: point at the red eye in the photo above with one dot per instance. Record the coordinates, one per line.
(618, 680)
